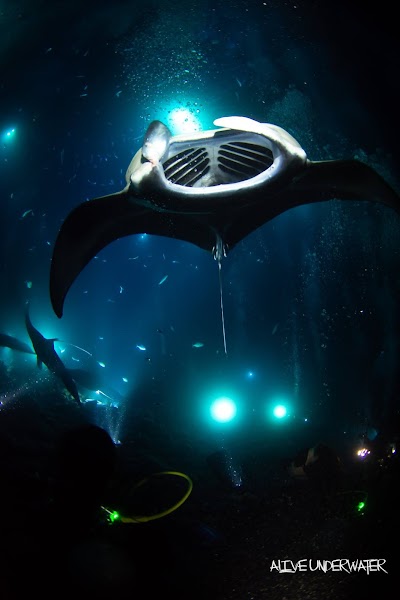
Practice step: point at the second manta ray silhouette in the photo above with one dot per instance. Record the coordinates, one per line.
(210, 188)
(44, 349)
(9, 341)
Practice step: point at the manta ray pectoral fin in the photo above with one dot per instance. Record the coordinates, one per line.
(9, 341)
(317, 182)
(342, 180)
(94, 224)
(87, 230)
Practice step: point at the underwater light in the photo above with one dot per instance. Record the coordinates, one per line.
(9, 135)
(280, 411)
(223, 410)
(362, 453)
(182, 120)
(113, 515)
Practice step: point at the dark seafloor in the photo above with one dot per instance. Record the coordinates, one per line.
(220, 544)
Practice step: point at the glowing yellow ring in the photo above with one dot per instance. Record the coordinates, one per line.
(145, 518)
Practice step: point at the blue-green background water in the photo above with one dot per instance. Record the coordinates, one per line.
(311, 298)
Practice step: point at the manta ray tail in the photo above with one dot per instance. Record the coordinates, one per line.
(222, 305)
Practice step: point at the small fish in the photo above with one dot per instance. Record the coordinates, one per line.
(118, 93)
(121, 289)
(197, 345)
(124, 379)
(163, 279)
(27, 213)
(142, 348)
(101, 364)
(28, 284)
(275, 329)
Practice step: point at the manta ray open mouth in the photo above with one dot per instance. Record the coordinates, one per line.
(225, 160)
(205, 171)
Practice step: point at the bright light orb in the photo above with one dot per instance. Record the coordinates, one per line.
(9, 135)
(280, 411)
(223, 410)
(181, 120)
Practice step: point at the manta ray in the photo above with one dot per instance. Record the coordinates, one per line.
(44, 349)
(9, 341)
(211, 188)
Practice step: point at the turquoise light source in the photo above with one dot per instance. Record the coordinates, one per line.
(182, 120)
(9, 135)
(223, 409)
(280, 411)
